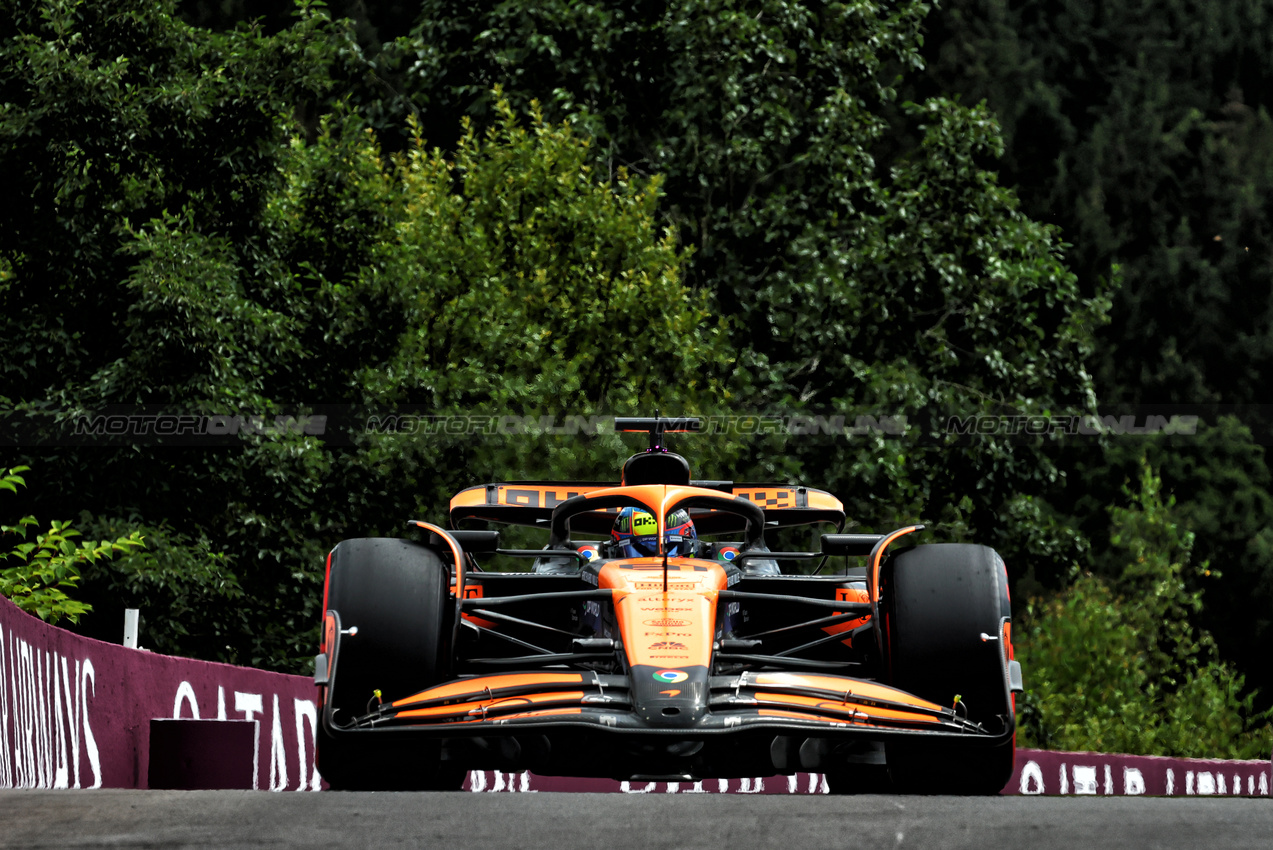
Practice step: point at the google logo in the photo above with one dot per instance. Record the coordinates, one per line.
(670, 677)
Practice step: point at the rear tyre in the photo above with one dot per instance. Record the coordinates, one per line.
(396, 593)
(939, 600)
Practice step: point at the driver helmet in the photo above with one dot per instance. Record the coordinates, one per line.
(635, 534)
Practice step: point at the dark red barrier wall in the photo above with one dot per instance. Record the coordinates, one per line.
(1046, 772)
(75, 713)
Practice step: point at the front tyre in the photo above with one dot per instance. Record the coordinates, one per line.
(944, 607)
(396, 593)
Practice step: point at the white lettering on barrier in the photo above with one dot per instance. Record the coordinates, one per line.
(1133, 782)
(61, 777)
(47, 737)
(32, 740)
(305, 709)
(73, 707)
(508, 782)
(43, 718)
(55, 730)
(626, 788)
(278, 754)
(90, 743)
(1032, 779)
(185, 694)
(6, 765)
(1075, 779)
(24, 752)
(1084, 779)
(46, 671)
(15, 689)
(43, 750)
(493, 781)
(250, 704)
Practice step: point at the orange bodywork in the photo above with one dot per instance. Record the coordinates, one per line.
(849, 594)
(522, 495)
(480, 709)
(464, 688)
(873, 582)
(861, 713)
(666, 614)
(860, 696)
(537, 495)
(665, 629)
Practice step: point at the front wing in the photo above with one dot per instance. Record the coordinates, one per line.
(828, 705)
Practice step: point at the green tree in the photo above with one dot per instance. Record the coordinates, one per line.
(192, 233)
(205, 250)
(865, 255)
(1120, 665)
(50, 565)
(1220, 480)
(1143, 132)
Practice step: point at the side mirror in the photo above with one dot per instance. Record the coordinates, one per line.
(477, 541)
(854, 545)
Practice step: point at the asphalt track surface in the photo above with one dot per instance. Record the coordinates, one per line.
(225, 819)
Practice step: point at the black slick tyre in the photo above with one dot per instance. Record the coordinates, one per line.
(396, 593)
(944, 606)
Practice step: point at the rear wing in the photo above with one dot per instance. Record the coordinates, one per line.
(531, 503)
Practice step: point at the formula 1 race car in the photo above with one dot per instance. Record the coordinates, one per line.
(657, 636)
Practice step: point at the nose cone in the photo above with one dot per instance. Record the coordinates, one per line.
(666, 612)
(668, 696)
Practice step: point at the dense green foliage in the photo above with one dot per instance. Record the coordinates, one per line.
(863, 250)
(1143, 132)
(306, 272)
(47, 567)
(1142, 129)
(1119, 665)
